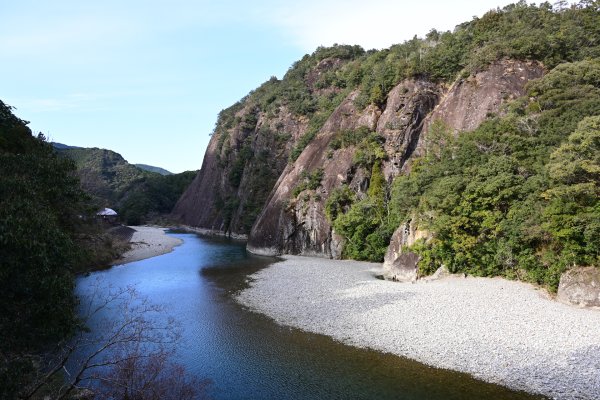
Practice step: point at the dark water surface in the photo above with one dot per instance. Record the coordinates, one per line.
(248, 356)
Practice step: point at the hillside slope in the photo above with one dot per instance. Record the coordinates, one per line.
(104, 174)
(333, 158)
(151, 168)
(138, 195)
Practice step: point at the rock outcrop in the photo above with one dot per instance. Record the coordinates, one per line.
(247, 177)
(400, 264)
(401, 122)
(297, 224)
(471, 100)
(467, 103)
(240, 166)
(580, 287)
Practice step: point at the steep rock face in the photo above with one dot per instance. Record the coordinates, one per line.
(253, 140)
(296, 222)
(471, 100)
(240, 166)
(401, 123)
(246, 175)
(463, 107)
(298, 225)
(197, 204)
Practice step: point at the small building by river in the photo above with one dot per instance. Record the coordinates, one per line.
(107, 215)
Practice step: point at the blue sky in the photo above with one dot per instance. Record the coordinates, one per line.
(148, 78)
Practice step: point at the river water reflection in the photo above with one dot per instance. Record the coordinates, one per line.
(248, 356)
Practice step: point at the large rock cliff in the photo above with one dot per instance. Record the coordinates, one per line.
(452, 135)
(467, 103)
(250, 183)
(240, 167)
(252, 142)
(293, 222)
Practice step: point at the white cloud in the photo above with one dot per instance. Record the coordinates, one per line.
(371, 24)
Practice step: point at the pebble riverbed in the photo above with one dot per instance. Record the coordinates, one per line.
(499, 331)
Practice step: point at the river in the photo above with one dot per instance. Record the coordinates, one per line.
(248, 356)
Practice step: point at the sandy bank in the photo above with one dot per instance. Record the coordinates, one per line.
(499, 331)
(146, 242)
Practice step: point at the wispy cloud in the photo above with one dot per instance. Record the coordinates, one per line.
(51, 104)
(68, 102)
(372, 24)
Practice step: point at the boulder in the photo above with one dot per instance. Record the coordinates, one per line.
(580, 287)
(443, 273)
(399, 264)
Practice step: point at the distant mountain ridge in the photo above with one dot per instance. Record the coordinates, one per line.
(136, 192)
(104, 174)
(151, 168)
(144, 167)
(62, 146)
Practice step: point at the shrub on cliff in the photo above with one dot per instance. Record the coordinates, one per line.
(366, 225)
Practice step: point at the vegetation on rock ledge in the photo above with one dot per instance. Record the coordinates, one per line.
(519, 196)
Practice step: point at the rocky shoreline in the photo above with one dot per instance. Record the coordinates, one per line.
(212, 232)
(499, 331)
(146, 242)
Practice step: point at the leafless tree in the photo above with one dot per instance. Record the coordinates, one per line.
(123, 351)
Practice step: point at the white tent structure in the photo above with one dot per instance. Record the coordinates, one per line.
(107, 212)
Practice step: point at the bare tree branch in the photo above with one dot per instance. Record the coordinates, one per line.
(126, 353)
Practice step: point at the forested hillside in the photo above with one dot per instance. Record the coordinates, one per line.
(45, 238)
(459, 136)
(48, 235)
(137, 194)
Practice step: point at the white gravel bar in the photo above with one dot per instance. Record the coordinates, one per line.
(146, 242)
(499, 331)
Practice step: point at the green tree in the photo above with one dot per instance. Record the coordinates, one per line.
(364, 226)
(41, 211)
(572, 215)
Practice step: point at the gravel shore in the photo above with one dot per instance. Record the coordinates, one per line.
(500, 331)
(146, 242)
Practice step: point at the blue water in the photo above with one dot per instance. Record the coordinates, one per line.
(247, 356)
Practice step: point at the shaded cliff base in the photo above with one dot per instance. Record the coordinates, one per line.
(146, 242)
(499, 331)
(211, 232)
